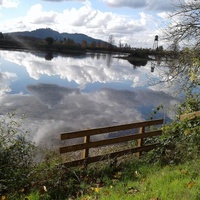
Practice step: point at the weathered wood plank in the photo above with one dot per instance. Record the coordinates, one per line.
(108, 141)
(90, 160)
(140, 141)
(190, 115)
(85, 153)
(103, 130)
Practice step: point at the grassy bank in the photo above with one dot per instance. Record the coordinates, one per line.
(169, 172)
(129, 180)
(151, 182)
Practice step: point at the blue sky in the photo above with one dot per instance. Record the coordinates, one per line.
(134, 22)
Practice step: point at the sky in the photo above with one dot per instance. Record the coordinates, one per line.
(135, 22)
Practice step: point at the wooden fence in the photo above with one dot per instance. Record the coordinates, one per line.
(87, 144)
(190, 115)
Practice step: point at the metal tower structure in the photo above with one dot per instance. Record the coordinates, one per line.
(155, 44)
(155, 48)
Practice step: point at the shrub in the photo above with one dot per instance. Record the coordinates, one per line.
(16, 156)
(179, 142)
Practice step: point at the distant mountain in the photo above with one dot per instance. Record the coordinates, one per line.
(43, 33)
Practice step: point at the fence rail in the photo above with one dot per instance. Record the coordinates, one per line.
(87, 144)
(190, 115)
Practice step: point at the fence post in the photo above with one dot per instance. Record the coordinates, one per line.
(85, 153)
(140, 141)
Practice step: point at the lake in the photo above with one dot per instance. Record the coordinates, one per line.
(60, 93)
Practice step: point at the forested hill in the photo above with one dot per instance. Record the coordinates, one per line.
(47, 32)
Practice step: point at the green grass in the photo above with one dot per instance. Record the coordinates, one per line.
(129, 180)
(152, 182)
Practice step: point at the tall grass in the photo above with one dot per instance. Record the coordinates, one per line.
(153, 182)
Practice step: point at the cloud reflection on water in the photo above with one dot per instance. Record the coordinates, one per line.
(48, 115)
(51, 108)
(81, 70)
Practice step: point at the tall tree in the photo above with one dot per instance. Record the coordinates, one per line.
(49, 40)
(1, 35)
(84, 44)
(185, 23)
(111, 41)
(185, 29)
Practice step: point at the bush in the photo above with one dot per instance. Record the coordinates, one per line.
(25, 168)
(16, 156)
(179, 142)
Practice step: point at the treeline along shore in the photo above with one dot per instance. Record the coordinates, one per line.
(69, 46)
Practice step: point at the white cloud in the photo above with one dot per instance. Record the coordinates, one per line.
(5, 78)
(78, 111)
(101, 24)
(86, 71)
(131, 28)
(62, 0)
(38, 16)
(52, 109)
(163, 15)
(87, 20)
(82, 71)
(156, 5)
(9, 3)
(126, 3)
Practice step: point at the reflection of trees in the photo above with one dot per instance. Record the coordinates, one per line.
(92, 55)
(49, 56)
(98, 56)
(155, 63)
(103, 56)
(108, 59)
(137, 62)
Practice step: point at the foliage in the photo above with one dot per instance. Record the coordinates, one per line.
(184, 71)
(139, 181)
(190, 104)
(140, 53)
(185, 22)
(183, 31)
(16, 155)
(49, 40)
(1, 35)
(179, 143)
(54, 177)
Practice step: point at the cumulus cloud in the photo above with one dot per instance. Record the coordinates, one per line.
(38, 16)
(78, 111)
(5, 78)
(62, 0)
(82, 71)
(9, 3)
(126, 3)
(99, 24)
(50, 95)
(51, 109)
(155, 5)
(87, 20)
(137, 29)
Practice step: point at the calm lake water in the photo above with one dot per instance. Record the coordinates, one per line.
(73, 93)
